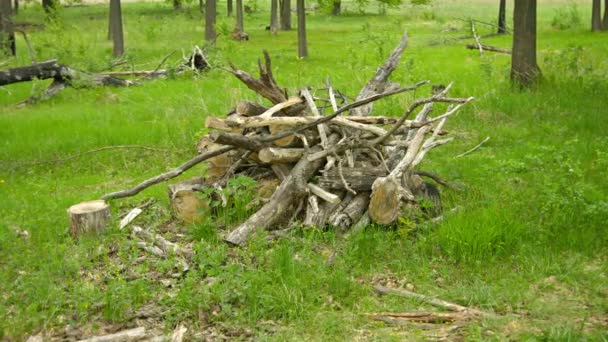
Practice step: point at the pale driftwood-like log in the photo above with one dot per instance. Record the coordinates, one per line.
(88, 217)
(273, 155)
(433, 301)
(121, 336)
(282, 106)
(323, 194)
(379, 82)
(388, 193)
(419, 317)
(186, 204)
(168, 175)
(236, 140)
(247, 108)
(286, 141)
(282, 203)
(356, 122)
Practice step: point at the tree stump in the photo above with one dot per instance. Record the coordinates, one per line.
(87, 217)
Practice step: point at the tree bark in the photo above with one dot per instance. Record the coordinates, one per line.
(16, 7)
(88, 217)
(285, 14)
(210, 15)
(302, 43)
(502, 23)
(239, 16)
(7, 33)
(337, 7)
(596, 15)
(524, 70)
(605, 20)
(229, 8)
(274, 16)
(116, 28)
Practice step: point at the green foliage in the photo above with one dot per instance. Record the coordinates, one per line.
(529, 229)
(421, 2)
(567, 18)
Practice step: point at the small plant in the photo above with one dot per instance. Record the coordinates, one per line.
(567, 17)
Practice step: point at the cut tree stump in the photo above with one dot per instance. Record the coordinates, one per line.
(87, 217)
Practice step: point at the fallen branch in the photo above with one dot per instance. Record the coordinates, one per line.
(433, 301)
(474, 148)
(126, 336)
(483, 47)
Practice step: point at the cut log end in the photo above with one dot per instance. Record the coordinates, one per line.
(86, 217)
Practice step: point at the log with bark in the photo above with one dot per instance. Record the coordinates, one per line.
(325, 170)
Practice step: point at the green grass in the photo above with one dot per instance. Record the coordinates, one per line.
(528, 241)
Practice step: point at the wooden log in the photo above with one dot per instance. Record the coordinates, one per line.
(388, 193)
(352, 212)
(283, 202)
(247, 108)
(378, 84)
(358, 178)
(217, 165)
(53, 70)
(87, 217)
(483, 47)
(287, 141)
(185, 202)
(273, 155)
(320, 216)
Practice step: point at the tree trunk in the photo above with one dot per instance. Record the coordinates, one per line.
(605, 21)
(116, 28)
(229, 6)
(7, 33)
(16, 7)
(285, 15)
(201, 6)
(337, 7)
(239, 16)
(524, 70)
(210, 14)
(177, 4)
(502, 24)
(49, 6)
(302, 44)
(274, 16)
(596, 16)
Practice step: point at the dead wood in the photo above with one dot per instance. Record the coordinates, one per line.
(379, 83)
(87, 217)
(135, 334)
(433, 301)
(484, 47)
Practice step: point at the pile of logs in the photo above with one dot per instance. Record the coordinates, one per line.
(338, 169)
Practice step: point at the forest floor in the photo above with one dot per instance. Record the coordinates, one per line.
(527, 243)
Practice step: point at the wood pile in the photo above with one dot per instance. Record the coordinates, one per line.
(335, 169)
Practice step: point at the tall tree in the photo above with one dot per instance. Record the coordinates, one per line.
(502, 23)
(210, 15)
(336, 7)
(302, 44)
(16, 7)
(229, 8)
(7, 33)
(116, 28)
(285, 14)
(605, 21)
(239, 16)
(596, 15)
(274, 16)
(524, 70)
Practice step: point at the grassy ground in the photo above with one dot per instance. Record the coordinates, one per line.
(528, 243)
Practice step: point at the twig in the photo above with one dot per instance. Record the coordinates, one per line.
(433, 301)
(78, 155)
(474, 148)
(168, 175)
(29, 46)
(488, 48)
(159, 65)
